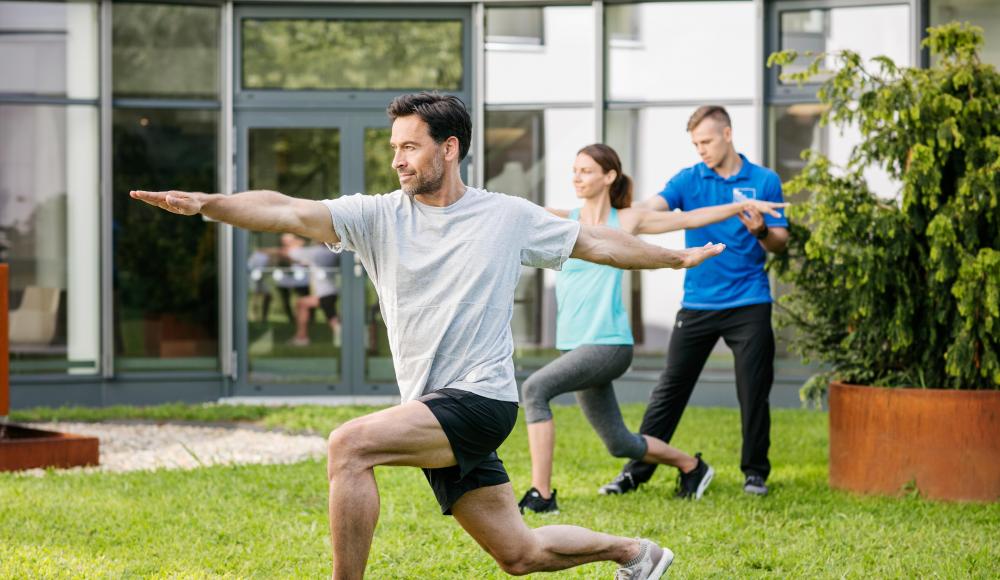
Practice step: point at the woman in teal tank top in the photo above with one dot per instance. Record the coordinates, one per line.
(593, 331)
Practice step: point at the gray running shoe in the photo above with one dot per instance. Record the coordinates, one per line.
(650, 564)
(755, 485)
(622, 483)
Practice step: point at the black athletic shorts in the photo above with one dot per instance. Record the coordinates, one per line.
(328, 304)
(475, 427)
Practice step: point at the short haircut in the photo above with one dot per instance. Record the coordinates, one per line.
(705, 111)
(445, 115)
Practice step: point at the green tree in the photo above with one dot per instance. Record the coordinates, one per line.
(906, 291)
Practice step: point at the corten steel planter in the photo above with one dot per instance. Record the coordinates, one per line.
(26, 448)
(944, 442)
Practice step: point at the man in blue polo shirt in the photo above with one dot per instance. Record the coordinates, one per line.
(727, 297)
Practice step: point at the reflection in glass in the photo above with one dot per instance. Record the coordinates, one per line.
(796, 129)
(621, 22)
(294, 309)
(165, 272)
(49, 48)
(982, 13)
(522, 25)
(162, 50)
(49, 235)
(515, 154)
(337, 55)
(515, 162)
(379, 178)
(830, 30)
(804, 31)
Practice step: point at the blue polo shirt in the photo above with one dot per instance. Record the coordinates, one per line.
(735, 277)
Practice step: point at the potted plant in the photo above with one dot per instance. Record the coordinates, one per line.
(903, 294)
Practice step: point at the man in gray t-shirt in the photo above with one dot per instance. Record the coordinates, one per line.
(445, 259)
(446, 276)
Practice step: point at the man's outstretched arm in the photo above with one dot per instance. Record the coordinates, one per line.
(262, 211)
(611, 247)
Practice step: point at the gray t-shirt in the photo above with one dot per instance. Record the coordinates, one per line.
(446, 276)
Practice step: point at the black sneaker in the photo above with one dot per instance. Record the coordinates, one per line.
(692, 485)
(622, 483)
(534, 501)
(755, 485)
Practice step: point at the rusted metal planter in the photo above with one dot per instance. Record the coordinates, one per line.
(945, 443)
(23, 447)
(26, 448)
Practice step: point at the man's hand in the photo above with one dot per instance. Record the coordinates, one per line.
(762, 207)
(691, 257)
(179, 202)
(752, 218)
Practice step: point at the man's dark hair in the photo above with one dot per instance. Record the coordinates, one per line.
(445, 115)
(705, 111)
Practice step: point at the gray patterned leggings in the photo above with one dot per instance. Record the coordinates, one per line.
(587, 371)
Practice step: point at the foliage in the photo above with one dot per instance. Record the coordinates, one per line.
(165, 50)
(346, 54)
(164, 264)
(902, 292)
(270, 521)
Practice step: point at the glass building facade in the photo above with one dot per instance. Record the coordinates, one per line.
(113, 301)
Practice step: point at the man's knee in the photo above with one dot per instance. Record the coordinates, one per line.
(346, 446)
(516, 562)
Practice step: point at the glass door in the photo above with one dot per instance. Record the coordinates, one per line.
(308, 320)
(290, 290)
(379, 177)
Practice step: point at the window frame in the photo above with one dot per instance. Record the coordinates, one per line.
(514, 42)
(776, 93)
(341, 99)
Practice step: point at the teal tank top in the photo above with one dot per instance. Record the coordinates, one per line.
(589, 300)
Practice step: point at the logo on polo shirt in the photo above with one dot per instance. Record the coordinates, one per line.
(744, 193)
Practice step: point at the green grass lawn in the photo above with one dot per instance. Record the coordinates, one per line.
(270, 521)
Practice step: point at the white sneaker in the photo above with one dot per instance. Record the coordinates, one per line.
(653, 563)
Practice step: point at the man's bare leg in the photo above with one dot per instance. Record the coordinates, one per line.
(541, 443)
(405, 435)
(490, 516)
(303, 312)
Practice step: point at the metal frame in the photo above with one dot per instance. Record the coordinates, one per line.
(346, 99)
(107, 367)
(227, 168)
(352, 380)
(599, 70)
(478, 170)
(919, 17)
(776, 93)
(245, 121)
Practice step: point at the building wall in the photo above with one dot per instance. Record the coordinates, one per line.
(63, 134)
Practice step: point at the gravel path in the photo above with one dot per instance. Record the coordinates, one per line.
(132, 447)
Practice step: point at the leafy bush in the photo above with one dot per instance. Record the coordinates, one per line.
(906, 291)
